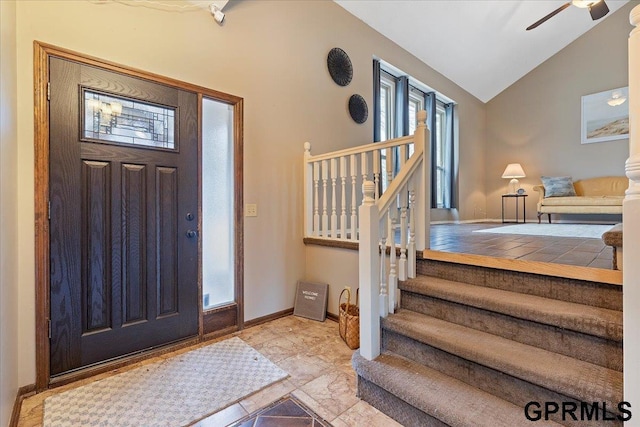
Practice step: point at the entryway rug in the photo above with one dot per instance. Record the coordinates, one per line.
(171, 393)
(288, 411)
(589, 231)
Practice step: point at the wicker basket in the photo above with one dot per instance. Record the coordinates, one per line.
(349, 320)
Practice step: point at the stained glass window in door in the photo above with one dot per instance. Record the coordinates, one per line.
(120, 120)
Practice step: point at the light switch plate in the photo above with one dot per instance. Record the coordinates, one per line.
(251, 209)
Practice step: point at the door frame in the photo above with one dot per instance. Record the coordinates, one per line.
(212, 323)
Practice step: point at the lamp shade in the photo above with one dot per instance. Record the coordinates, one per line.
(583, 3)
(513, 170)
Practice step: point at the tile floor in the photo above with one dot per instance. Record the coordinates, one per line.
(318, 362)
(460, 238)
(286, 412)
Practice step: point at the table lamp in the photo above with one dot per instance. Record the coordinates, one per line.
(513, 171)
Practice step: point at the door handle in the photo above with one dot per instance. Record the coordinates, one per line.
(191, 233)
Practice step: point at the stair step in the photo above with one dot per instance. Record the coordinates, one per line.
(589, 348)
(605, 295)
(571, 377)
(447, 399)
(518, 392)
(596, 321)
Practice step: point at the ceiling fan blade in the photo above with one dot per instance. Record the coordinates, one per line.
(549, 16)
(598, 10)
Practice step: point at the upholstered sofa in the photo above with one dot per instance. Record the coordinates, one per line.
(601, 195)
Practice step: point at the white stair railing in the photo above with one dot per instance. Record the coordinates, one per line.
(379, 292)
(400, 214)
(333, 181)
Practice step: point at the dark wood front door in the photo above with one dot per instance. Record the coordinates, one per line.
(123, 215)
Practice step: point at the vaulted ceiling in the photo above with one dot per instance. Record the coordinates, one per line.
(481, 45)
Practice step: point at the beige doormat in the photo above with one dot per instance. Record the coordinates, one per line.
(174, 392)
(585, 231)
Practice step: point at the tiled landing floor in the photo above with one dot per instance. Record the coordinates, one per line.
(318, 362)
(286, 412)
(460, 238)
(321, 376)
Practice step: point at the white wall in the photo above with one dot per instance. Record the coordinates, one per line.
(271, 53)
(8, 214)
(536, 121)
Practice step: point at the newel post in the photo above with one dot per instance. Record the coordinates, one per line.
(308, 191)
(368, 273)
(631, 225)
(423, 192)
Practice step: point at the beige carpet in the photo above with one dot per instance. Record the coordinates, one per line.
(174, 392)
(590, 231)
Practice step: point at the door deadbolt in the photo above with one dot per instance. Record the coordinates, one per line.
(189, 216)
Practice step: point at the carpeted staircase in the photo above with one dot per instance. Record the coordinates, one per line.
(472, 346)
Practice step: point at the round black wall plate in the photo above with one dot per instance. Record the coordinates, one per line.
(339, 66)
(358, 109)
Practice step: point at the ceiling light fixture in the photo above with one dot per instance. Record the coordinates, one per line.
(217, 13)
(597, 9)
(616, 98)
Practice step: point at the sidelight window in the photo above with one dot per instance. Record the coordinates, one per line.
(218, 248)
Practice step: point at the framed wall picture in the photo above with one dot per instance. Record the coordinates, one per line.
(605, 116)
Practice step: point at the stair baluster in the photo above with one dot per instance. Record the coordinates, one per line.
(334, 215)
(402, 263)
(411, 267)
(403, 150)
(354, 206)
(364, 168)
(376, 174)
(389, 165)
(384, 296)
(325, 215)
(393, 275)
(343, 192)
(316, 212)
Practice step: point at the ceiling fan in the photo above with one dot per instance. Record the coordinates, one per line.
(597, 9)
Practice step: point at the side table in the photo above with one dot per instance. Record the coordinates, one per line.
(517, 197)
